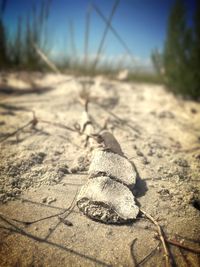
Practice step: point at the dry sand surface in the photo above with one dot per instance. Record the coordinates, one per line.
(43, 167)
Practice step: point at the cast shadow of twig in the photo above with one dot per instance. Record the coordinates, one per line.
(10, 110)
(15, 229)
(16, 91)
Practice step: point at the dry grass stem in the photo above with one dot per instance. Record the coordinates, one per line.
(50, 64)
(161, 237)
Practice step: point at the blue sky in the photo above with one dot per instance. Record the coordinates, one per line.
(141, 24)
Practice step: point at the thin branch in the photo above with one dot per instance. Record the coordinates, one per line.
(32, 122)
(34, 221)
(59, 125)
(39, 203)
(50, 64)
(149, 255)
(47, 217)
(63, 215)
(73, 45)
(114, 31)
(161, 237)
(87, 32)
(177, 244)
(105, 33)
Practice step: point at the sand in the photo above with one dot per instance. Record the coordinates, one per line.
(159, 132)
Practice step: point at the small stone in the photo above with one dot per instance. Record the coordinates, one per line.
(63, 169)
(193, 110)
(16, 191)
(164, 192)
(2, 196)
(110, 232)
(80, 164)
(44, 199)
(166, 114)
(74, 169)
(158, 248)
(139, 153)
(156, 236)
(197, 156)
(57, 152)
(150, 153)
(159, 168)
(51, 200)
(181, 162)
(38, 158)
(145, 161)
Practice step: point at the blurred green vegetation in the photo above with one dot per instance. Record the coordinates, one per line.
(179, 64)
(145, 77)
(18, 52)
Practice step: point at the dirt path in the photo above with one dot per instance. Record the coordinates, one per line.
(159, 132)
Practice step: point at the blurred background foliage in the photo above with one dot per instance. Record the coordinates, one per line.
(18, 52)
(179, 64)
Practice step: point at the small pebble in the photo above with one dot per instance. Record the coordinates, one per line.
(139, 153)
(51, 199)
(145, 161)
(44, 199)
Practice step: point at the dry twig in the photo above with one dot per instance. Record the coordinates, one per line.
(31, 123)
(161, 237)
(108, 23)
(60, 125)
(50, 64)
(149, 255)
(61, 215)
(128, 51)
(136, 264)
(177, 244)
(87, 31)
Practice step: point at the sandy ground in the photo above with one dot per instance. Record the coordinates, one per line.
(158, 132)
